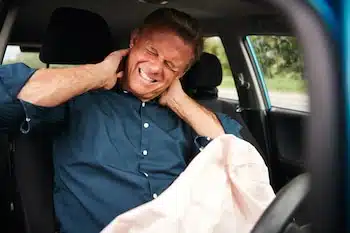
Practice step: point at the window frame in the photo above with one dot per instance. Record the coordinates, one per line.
(262, 85)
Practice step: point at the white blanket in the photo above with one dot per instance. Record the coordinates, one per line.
(224, 189)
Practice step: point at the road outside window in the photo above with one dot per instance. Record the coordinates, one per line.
(282, 65)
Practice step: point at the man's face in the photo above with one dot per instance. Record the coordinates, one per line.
(157, 57)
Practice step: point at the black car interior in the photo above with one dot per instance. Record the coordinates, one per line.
(66, 35)
(32, 158)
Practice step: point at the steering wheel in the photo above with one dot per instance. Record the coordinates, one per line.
(279, 213)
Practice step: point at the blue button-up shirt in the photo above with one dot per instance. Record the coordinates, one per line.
(111, 153)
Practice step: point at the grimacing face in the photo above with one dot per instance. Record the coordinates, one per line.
(156, 58)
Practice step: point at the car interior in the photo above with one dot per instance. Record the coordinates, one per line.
(85, 31)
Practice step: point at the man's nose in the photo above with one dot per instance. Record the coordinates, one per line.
(156, 66)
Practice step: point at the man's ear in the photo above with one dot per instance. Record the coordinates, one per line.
(133, 37)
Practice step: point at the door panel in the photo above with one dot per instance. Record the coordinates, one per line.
(286, 132)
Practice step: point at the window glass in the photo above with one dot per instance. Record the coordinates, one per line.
(282, 65)
(227, 88)
(13, 54)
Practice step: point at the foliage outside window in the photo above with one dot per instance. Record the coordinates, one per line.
(281, 62)
(282, 65)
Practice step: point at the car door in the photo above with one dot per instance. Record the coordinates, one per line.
(279, 62)
(275, 125)
(267, 66)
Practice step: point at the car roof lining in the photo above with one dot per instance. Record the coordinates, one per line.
(124, 15)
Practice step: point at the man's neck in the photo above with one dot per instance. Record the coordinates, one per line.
(125, 87)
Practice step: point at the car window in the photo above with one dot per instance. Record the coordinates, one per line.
(13, 54)
(227, 88)
(281, 64)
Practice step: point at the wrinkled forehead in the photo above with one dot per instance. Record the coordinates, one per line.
(154, 32)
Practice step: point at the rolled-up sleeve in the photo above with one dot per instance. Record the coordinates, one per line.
(229, 125)
(17, 114)
(37, 115)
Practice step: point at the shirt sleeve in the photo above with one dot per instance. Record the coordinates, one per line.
(18, 114)
(230, 126)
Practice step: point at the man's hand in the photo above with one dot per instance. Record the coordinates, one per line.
(172, 94)
(109, 70)
(203, 121)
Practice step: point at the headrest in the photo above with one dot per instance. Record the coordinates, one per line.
(75, 36)
(206, 73)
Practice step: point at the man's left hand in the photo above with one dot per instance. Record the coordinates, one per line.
(173, 94)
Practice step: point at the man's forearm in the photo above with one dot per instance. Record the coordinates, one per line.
(52, 87)
(203, 121)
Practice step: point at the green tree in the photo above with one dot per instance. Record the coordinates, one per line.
(278, 56)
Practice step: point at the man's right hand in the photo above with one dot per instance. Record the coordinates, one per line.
(109, 69)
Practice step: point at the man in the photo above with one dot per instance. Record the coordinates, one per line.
(126, 132)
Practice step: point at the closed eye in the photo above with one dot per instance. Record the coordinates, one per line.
(152, 52)
(171, 66)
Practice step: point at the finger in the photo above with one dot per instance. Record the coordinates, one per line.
(120, 74)
(119, 53)
(123, 52)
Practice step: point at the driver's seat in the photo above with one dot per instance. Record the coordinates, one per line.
(73, 36)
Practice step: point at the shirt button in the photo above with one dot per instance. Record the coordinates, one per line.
(155, 195)
(146, 125)
(145, 174)
(144, 152)
(143, 104)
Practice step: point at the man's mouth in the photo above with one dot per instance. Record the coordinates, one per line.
(145, 77)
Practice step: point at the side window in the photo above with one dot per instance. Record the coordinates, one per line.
(13, 54)
(281, 64)
(227, 89)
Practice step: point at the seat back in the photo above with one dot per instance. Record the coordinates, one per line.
(201, 83)
(33, 170)
(6, 187)
(73, 36)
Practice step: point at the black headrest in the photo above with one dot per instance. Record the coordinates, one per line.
(205, 74)
(76, 36)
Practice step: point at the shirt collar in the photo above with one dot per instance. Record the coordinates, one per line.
(118, 88)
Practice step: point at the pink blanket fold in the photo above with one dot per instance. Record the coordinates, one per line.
(224, 189)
